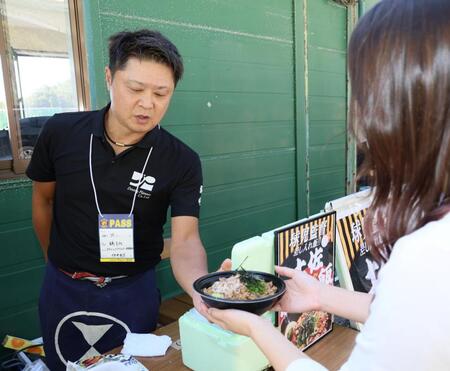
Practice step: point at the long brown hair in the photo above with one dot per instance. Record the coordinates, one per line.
(399, 65)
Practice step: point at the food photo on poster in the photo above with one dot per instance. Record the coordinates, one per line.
(309, 246)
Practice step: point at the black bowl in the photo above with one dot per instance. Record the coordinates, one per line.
(257, 306)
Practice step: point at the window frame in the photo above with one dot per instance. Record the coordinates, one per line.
(16, 167)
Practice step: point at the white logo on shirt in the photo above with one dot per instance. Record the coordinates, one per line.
(200, 198)
(146, 183)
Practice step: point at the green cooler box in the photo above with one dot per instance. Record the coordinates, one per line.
(206, 346)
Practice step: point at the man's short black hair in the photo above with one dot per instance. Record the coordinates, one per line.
(144, 45)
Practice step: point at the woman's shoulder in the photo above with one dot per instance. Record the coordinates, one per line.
(431, 237)
(418, 263)
(408, 327)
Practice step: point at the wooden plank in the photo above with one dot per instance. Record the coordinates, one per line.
(19, 246)
(327, 132)
(262, 17)
(331, 351)
(327, 60)
(228, 107)
(235, 76)
(331, 156)
(220, 139)
(327, 181)
(217, 201)
(237, 167)
(184, 298)
(15, 201)
(328, 108)
(16, 289)
(172, 309)
(335, 348)
(246, 223)
(327, 84)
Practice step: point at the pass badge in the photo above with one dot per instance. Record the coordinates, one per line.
(116, 238)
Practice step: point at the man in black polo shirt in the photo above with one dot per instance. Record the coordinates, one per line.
(103, 182)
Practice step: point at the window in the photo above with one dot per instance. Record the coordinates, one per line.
(42, 73)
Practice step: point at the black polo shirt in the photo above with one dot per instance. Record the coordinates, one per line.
(173, 177)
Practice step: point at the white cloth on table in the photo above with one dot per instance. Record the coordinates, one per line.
(146, 345)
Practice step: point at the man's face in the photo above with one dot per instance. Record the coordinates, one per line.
(140, 95)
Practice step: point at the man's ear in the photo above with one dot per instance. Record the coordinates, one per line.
(108, 77)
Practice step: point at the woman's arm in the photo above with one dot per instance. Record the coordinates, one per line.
(279, 351)
(304, 293)
(344, 303)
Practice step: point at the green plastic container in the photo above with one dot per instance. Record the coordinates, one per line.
(255, 254)
(206, 346)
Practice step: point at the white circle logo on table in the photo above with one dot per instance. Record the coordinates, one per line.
(90, 333)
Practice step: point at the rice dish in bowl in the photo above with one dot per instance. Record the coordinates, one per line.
(251, 291)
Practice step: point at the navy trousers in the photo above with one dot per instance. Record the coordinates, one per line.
(79, 319)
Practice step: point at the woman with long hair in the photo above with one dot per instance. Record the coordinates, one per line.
(399, 65)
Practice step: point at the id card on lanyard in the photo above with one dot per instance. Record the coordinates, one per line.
(116, 238)
(116, 231)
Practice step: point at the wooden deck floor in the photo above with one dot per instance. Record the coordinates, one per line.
(174, 308)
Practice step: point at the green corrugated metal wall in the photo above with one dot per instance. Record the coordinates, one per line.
(21, 262)
(263, 101)
(367, 4)
(326, 96)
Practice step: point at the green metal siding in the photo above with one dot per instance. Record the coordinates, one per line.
(365, 5)
(327, 94)
(21, 263)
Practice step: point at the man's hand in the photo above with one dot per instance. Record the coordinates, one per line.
(197, 299)
(225, 266)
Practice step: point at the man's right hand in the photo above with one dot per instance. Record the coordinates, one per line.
(225, 266)
(199, 304)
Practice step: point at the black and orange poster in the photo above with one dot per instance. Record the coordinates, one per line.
(358, 259)
(308, 245)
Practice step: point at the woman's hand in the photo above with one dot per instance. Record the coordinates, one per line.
(305, 293)
(237, 321)
(279, 351)
(302, 294)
